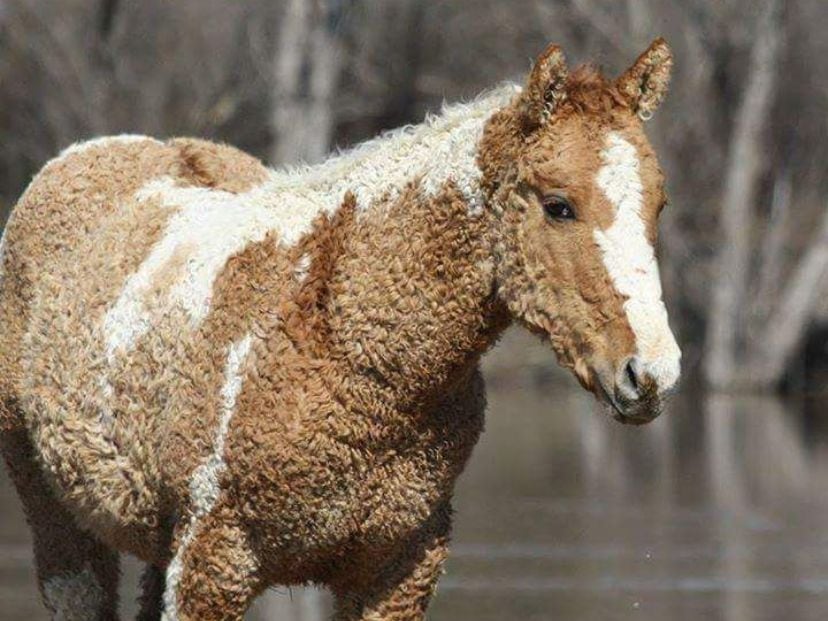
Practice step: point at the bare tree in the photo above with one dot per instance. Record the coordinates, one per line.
(740, 191)
(754, 330)
(794, 310)
(307, 69)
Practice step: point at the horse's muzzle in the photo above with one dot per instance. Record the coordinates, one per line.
(632, 396)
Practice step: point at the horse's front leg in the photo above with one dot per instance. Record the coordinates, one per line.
(213, 574)
(403, 587)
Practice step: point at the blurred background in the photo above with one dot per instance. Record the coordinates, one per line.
(718, 510)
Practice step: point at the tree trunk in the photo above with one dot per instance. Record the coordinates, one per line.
(772, 257)
(307, 69)
(740, 191)
(109, 9)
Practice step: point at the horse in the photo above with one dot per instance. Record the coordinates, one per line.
(249, 377)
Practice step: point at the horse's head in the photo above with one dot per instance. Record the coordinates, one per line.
(577, 191)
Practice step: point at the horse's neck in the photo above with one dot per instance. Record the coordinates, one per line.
(409, 273)
(411, 298)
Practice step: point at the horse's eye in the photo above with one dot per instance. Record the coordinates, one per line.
(558, 208)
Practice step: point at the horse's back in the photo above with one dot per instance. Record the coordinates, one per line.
(78, 235)
(79, 225)
(66, 203)
(57, 214)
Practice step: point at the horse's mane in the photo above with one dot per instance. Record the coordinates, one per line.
(434, 124)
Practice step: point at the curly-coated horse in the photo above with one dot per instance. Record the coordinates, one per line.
(251, 377)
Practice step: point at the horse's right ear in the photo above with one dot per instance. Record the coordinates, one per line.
(545, 88)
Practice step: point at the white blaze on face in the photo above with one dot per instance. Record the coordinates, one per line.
(630, 260)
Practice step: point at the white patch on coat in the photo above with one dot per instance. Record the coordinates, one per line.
(75, 597)
(204, 485)
(631, 262)
(102, 141)
(210, 226)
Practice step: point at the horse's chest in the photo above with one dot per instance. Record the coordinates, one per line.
(404, 485)
(319, 493)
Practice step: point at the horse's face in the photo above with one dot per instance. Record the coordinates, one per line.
(579, 205)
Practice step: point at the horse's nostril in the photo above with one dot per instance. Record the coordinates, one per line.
(631, 382)
(631, 376)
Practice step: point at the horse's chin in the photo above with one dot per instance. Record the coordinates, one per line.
(636, 416)
(638, 412)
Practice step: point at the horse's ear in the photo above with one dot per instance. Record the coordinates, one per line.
(645, 83)
(545, 88)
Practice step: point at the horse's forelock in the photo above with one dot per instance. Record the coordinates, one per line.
(589, 91)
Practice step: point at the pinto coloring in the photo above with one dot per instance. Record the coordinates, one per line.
(204, 485)
(250, 377)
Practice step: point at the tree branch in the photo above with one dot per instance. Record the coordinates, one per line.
(787, 325)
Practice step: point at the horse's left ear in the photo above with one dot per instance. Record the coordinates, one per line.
(645, 83)
(545, 87)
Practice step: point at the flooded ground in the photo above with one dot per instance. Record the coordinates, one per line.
(719, 510)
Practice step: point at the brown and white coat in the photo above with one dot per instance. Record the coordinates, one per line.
(249, 377)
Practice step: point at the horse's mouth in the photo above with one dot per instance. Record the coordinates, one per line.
(629, 412)
(636, 416)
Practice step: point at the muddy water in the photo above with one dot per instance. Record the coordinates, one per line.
(718, 510)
